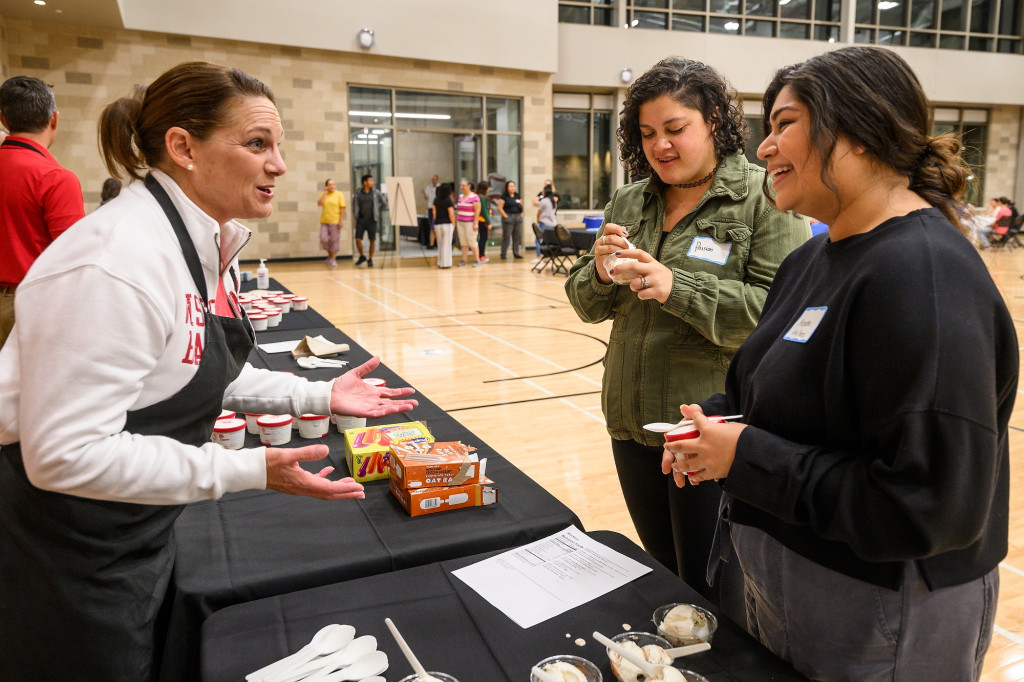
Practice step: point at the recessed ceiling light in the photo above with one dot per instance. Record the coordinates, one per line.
(40, 2)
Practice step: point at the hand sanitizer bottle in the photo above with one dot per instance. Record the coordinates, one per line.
(262, 276)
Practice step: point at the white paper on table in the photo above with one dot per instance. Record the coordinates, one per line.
(286, 346)
(543, 579)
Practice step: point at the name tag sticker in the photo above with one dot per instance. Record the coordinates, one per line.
(706, 248)
(807, 324)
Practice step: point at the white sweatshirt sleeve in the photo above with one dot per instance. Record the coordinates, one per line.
(83, 366)
(261, 391)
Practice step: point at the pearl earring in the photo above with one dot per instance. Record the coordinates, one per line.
(190, 167)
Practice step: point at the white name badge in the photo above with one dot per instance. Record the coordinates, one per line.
(807, 324)
(706, 248)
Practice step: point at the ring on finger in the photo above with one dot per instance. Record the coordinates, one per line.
(644, 284)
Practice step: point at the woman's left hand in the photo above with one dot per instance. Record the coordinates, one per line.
(353, 397)
(707, 457)
(650, 279)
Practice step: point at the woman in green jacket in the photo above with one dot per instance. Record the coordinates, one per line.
(709, 243)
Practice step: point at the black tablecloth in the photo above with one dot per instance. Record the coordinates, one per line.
(257, 544)
(452, 629)
(582, 239)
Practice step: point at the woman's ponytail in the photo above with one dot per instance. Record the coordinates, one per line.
(116, 133)
(940, 177)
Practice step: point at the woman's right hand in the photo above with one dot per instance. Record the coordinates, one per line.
(613, 239)
(285, 475)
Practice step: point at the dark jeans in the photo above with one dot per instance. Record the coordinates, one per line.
(481, 237)
(677, 525)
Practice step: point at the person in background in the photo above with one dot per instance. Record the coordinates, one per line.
(367, 206)
(545, 214)
(332, 216)
(510, 205)
(467, 212)
(39, 199)
(101, 450)
(430, 193)
(707, 245)
(548, 186)
(111, 188)
(443, 212)
(868, 488)
(483, 222)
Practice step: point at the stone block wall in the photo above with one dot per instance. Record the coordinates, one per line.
(91, 67)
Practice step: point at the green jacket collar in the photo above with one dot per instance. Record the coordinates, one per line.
(731, 180)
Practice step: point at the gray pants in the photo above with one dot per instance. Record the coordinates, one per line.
(512, 230)
(832, 627)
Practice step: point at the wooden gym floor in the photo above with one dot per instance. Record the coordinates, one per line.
(500, 348)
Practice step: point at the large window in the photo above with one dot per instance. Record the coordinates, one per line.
(583, 150)
(801, 19)
(420, 134)
(981, 25)
(970, 124)
(601, 12)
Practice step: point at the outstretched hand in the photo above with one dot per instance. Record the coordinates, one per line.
(285, 475)
(353, 397)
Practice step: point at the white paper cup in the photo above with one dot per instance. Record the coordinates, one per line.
(275, 429)
(300, 303)
(314, 425)
(229, 433)
(285, 304)
(258, 322)
(273, 316)
(345, 422)
(250, 423)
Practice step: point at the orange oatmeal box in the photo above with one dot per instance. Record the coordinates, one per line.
(437, 464)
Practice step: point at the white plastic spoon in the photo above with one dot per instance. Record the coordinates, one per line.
(371, 664)
(421, 672)
(375, 678)
(356, 648)
(309, 362)
(359, 647)
(665, 427)
(279, 664)
(541, 675)
(680, 651)
(334, 640)
(647, 668)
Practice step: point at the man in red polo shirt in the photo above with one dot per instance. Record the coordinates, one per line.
(39, 198)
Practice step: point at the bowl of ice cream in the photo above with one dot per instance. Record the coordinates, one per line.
(566, 668)
(647, 646)
(683, 624)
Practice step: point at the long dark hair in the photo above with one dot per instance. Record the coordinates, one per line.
(194, 96)
(693, 84)
(871, 97)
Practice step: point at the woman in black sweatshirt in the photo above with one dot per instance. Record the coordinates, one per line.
(869, 485)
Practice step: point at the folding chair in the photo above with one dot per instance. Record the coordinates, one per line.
(564, 238)
(545, 250)
(1000, 230)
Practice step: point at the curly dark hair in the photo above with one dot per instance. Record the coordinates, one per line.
(693, 84)
(871, 97)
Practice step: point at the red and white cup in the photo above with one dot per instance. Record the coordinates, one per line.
(258, 322)
(250, 423)
(687, 432)
(314, 425)
(300, 303)
(285, 304)
(229, 433)
(275, 429)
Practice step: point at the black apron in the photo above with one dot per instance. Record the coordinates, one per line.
(81, 580)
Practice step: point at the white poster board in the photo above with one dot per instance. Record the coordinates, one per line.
(401, 200)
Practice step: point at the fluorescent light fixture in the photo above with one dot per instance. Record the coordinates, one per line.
(384, 114)
(887, 4)
(731, 26)
(378, 131)
(40, 2)
(784, 2)
(634, 22)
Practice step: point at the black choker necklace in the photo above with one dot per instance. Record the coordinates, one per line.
(691, 185)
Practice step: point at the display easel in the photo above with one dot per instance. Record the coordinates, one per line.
(402, 205)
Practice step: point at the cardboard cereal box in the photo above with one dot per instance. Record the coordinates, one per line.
(431, 465)
(367, 449)
(422, 501)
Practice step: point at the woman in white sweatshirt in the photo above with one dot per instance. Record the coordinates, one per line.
(129, 342)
